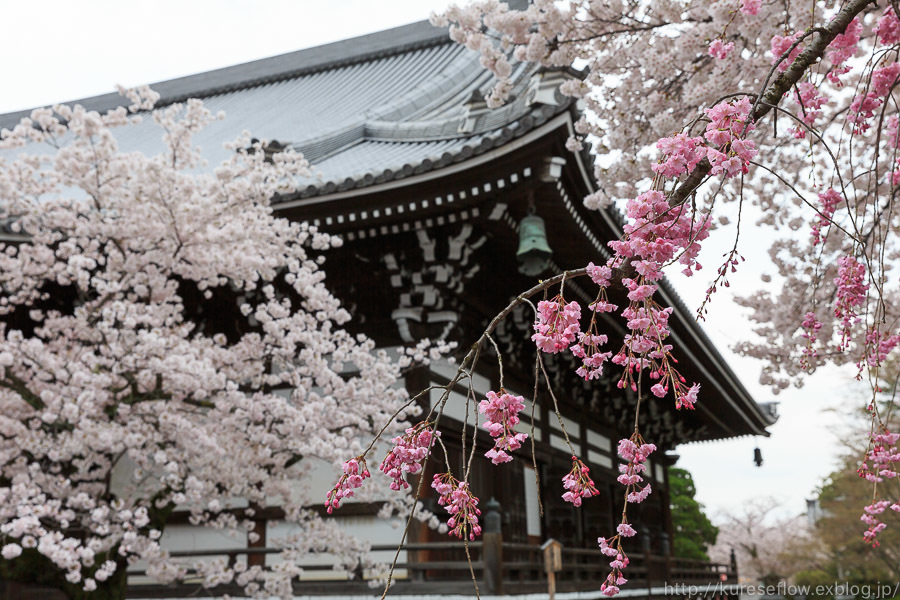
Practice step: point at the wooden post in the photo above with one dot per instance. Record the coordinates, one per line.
(648, 562)
(552, 564)
(666, 549)
(259, 529)
(492, 548)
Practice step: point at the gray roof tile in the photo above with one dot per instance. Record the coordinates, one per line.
(363, 111)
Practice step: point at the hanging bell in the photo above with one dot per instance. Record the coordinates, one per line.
(534, 253)
(757, 457)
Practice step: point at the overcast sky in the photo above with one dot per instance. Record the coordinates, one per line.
(57, 51)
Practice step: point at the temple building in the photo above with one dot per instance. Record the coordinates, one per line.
(430, 190)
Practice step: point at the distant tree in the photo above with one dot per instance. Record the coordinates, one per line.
(694, 532)
(838, 529)
(770, 547)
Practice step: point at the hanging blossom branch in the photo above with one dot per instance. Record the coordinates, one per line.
(664, 229)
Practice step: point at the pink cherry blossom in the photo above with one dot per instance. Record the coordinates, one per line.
(811, 326)
(780, 46)
(862, 110)
(845, 44)
(462, 505)
(829, 199)
(719, 49)
(556, 325)
(680, 153)
(850, 294)
(751, 7)
(408, 453)
(355, 472)
(501, 413)
(674, 170)
(600, 275)
(888, 27)
(578, 482)
(883, 79)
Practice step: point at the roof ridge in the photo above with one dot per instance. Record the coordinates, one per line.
(291, 65)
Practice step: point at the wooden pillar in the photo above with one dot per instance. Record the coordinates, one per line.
(667, 513)
(417, 380)
(258, 540)
(492, 548)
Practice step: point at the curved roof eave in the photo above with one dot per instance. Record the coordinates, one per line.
(697, 333)
(363, 186)
(731, 388)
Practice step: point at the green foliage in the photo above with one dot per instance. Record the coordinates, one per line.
(694, 533)
(842, 498)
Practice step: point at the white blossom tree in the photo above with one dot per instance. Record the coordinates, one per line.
(166, 343)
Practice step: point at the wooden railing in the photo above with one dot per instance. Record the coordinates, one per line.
(498, 567)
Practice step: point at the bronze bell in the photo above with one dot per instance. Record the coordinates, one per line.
(534, 253)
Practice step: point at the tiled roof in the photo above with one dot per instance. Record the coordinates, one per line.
(363, 111)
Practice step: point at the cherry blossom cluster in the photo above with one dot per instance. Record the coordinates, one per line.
(612, 548)
(556, 325)
(192, 411)
(780, 45)
(645, 348)
(588, 350)
(751, 7)
(883, 456)
(501, 411)
(844, 46)
(810, 100)
(875, 525)
(851, 288)
(679, 154)
(829, 199)
(409, 450)
(878, 345)
(862, 110)
(719, 49)
(888, 28)
(578, 482)
(811, 326)
(729, 124)
(355, 472)
(882, 462)
(650, 97)
(865, 105)
(634, 450)
(462, 505)
(658, 234)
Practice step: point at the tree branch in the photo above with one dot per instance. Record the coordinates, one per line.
(772, 95)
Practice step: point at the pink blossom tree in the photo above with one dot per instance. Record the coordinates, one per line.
(166, 344)
(690, 96)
